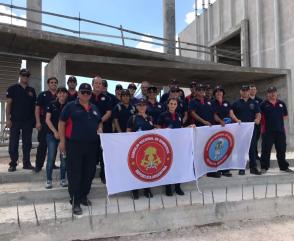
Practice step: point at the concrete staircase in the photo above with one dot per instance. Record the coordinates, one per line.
(30, 212)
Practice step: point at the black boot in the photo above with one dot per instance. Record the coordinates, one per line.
(168, 190)
(178, 189)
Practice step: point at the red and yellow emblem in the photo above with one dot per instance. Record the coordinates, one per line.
(150, 157)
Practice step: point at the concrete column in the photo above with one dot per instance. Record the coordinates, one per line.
(209, 22)
(196, 28)
(34, 66)
(258, 33)
(56, 68)
(220, 16)
(244, 35)
(169, 25)
(245, 9)
(232, 12)
(277, 33)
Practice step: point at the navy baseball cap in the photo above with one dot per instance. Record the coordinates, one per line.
(193, 84)
(118, 87)
(132, 86)
(271, 89)
(244, 87)
(200, 87)
(141, 101)
(72, 79)
(85, 86)
(218, 88)
(24, 72)
(125, 92)
(152, 89)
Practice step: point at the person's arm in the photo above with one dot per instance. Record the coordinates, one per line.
(218, 119)
(198, 118)
(257, 118)
(234, 117)
(50, 125)
(185, 118)
(106, 116)
(117, 126)
(100, 127)
(8, 112)
(61, 133)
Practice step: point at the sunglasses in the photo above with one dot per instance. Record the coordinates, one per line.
(86, 92)
(25, 75)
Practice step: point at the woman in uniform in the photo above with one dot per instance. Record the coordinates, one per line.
(140, 122)
(171, 119)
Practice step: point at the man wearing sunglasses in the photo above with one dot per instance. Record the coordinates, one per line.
(20, 110)
(78, 128)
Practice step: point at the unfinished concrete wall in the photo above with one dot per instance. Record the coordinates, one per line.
(270, 37)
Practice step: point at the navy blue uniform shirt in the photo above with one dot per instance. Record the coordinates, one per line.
(169, 120)
(139, 123)
(221, 109)
(123, 114)
(72, 97)
(246, 110)
(43, 100)
(102, 102)
(258, 100)
(272, 116)
(81, 124)
(54, 108)
(203, 109)
(154, 110)
(23, 103)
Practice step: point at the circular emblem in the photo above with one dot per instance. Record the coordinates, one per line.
(251, 106)
(208, 103)
(225, 104)
(281, 105)
(95, 113)
(218, 148)
(102, 98)
(150, 157)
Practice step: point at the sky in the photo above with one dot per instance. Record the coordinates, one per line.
(143, 16)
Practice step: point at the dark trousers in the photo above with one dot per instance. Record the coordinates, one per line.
(42, 147)
(252, 150)
(26, 129)
(81, 168)
(279, 139)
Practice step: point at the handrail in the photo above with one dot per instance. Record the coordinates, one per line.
(178, 45)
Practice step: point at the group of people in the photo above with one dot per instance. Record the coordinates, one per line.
(71, 120)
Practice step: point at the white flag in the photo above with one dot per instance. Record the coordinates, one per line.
(147, 158)
(220, 148)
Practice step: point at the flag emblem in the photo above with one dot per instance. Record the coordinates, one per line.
(218, 148)
(150, 157)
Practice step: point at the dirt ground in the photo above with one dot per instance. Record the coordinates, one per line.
(278, 229)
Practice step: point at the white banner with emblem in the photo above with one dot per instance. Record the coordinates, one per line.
(221, 148)
(147, 158)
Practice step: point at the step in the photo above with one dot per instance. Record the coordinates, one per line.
(125, 217)
(28, 192)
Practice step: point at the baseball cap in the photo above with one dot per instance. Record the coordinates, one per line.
(141, 101)
(125, 92)
(271, 89)
(118, 87)
(132, 86)
(72, 79)
(175, 89)
(85, 86)
(244, 87)
(208, 87)
(218, 88)
(24, 72)
(174, 82)
(200, 87)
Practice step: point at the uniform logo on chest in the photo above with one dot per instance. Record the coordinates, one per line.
(218, 148)
(225, 105)
(150, 157)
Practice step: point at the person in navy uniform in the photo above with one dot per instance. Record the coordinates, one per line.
(171, 119)
(202, 114)
(78, 128)
(258, 100)
(154, 108)
(123, 111)
(192, 96)
(247, 110)
(118, 90)
(208, 93)
(182, 108)
(72, 85)
(52, 117)
(173, 84)
(102, 102)
(273, 112)
(140, 122)
(20, 110)
(132, 89)
(223, 113)
(43, 100)
(112, 98)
